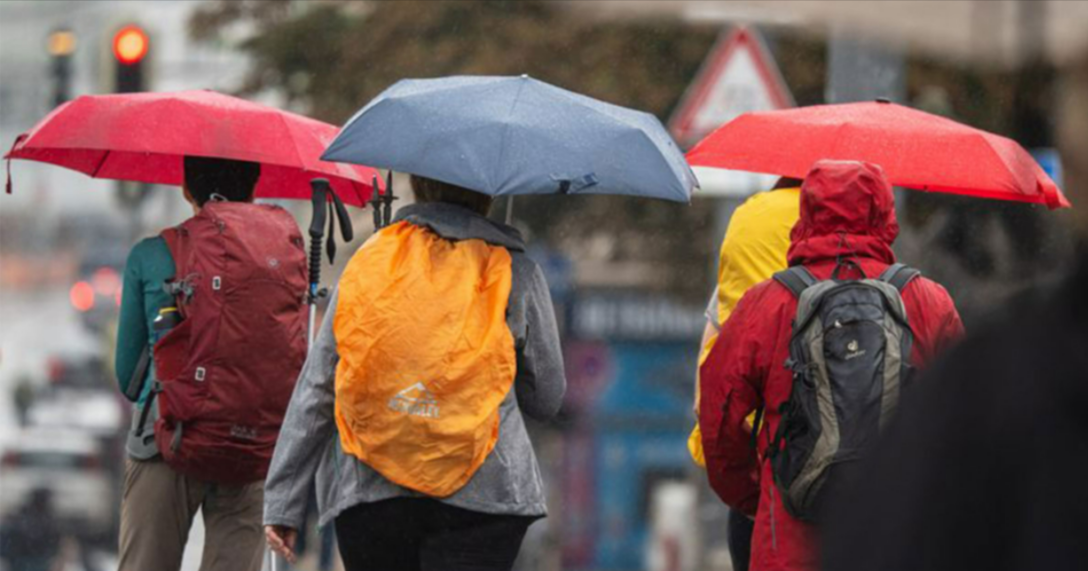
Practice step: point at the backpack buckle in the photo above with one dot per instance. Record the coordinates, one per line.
(180, 288)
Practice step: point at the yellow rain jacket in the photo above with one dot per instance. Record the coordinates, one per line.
(426, 356)
(753, 250)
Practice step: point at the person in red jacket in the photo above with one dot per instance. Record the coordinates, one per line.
(847, 214)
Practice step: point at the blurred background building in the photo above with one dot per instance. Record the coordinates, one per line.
(630, 278)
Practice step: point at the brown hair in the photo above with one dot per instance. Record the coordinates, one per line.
(787, 182)
(430, 190)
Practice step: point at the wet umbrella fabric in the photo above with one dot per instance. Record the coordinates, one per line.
(514, 135)
(916, 149)
(144, 136)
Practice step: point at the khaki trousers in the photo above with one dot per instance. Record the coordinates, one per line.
(157, 510)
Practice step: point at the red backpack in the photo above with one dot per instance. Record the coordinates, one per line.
(226, 371)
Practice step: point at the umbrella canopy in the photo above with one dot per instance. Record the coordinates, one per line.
(514, 135)
(917, 150)
(144, 136)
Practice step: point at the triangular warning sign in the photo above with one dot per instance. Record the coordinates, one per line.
(739, 76)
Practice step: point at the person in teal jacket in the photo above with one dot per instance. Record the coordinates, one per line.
(158, 504)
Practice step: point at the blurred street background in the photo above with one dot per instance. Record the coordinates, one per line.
(630, 278)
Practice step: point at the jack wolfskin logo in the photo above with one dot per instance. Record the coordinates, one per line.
(243, 432)
(415, 400)
(852, 350)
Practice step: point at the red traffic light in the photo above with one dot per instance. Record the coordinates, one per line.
(130, 45)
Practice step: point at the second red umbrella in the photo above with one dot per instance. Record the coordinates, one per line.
(144, 136)
(917, 150)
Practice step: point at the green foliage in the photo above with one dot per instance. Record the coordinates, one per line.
(332, 57)
(335, 55)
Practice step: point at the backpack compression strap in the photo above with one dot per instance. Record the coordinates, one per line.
(796, 279)
(899, 275)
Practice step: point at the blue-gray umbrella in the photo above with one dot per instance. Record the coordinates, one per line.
(505, 136)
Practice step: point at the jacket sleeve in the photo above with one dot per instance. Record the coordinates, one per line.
(306, 430)
(541, 381)
(934, 320)
(132, 333)
(730, 384)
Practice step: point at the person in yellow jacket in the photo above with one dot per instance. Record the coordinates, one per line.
(753, 250)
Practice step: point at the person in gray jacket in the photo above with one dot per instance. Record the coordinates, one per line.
(379, 524)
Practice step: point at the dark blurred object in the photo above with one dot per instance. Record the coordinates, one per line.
(78, 372)
(61, 44)
(66, 463)
(22, 396)
(30, 539)
(740, 539)
(984, 467)
(96, 293)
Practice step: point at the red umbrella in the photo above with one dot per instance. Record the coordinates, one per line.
(917, 150)
(143, 137)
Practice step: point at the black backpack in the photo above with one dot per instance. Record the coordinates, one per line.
(849, 353)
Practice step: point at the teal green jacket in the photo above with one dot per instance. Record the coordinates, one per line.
(148, 266)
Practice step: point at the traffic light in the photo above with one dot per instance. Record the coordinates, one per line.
(61, 44)
(130, 47)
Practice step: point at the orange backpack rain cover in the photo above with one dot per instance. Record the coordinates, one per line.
(426, 357)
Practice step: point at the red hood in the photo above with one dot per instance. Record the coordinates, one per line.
(847, 208)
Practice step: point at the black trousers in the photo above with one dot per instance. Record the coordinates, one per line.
(415, 534)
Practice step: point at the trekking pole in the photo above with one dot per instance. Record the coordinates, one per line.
(376, 203)
(320, 189)
(388, 198)
(322, 195)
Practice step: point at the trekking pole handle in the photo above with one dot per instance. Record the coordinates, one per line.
(321, 190)
(320, 197)
(376, 202)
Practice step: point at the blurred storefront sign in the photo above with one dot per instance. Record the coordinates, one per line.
(1051, 161)
(632, 317)
(739, 76)
(630, 360)
(631, 406)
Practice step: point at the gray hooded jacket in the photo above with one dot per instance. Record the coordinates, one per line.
(508, 482)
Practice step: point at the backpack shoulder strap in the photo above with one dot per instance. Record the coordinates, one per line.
(172, 238)
(796, 279)
(177, 285)
(899, 275)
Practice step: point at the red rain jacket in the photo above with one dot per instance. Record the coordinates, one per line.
(847, 209)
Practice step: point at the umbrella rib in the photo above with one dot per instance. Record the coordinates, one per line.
(505, 132)
(294, 144)
(1014, 169)
(359, 195)
(575, 99)
(98, 167)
